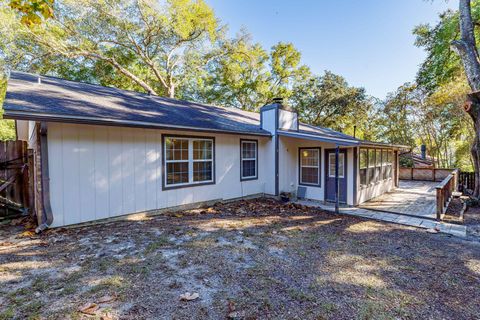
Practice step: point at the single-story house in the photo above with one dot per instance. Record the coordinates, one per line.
(101, 152)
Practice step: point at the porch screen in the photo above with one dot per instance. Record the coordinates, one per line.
(363, 166)
(310, 166)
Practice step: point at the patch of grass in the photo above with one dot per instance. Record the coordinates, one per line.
(160, 242)
(373, 310)
(300, 295)
(7, 314)
(115, 283)
(328, 307)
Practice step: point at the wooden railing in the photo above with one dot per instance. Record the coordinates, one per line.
(445, 191)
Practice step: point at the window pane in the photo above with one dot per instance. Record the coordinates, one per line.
(202, 149)
(378, 157)
(331, 165)
(177, 172)
(249, 149)
(248, 168)
(377, 174)
(384, 157)
(309, 175)
(371, 175)
(309, 157)
(363, 158)
(390, 157)
(176, 149)
(202, 171)
(363, 176)
(371, 158)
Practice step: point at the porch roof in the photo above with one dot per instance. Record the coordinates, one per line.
(343, 140)
(322, 138)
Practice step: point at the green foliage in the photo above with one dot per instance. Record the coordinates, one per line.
(32, 11)
(329, 101)
(442, 65)
(7, 127)
(405, 161)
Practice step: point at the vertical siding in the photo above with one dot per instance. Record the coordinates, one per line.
(99, 172)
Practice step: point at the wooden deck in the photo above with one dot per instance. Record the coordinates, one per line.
(414, 198)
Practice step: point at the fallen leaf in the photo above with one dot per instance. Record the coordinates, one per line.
(89, 308)
(432, 230)
(106, 316)
(106, 299)
(187, 296)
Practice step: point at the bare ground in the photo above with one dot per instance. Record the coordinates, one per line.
(246, 260)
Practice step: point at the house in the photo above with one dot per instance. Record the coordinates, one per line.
(101, 152)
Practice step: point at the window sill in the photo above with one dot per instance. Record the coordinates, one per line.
(310, 185)
(190, 185)
(248, 179)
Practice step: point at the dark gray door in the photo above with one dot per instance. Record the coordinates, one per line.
(330, 175)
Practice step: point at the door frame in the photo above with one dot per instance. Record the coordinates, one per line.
(345, 172)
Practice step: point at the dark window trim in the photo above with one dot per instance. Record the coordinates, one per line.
(256, 160)
(189, 185)
(300, 183)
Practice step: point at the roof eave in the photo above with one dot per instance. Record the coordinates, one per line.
(23, 115)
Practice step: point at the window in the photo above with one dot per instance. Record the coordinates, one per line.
(248, 159)
(310, 166)
(363, 166)
(188, 161)
(331, 165)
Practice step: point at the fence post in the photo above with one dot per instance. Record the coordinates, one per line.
(439, 203)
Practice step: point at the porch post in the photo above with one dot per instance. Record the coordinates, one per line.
(337, 198)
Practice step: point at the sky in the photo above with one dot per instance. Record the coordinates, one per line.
(369, 42)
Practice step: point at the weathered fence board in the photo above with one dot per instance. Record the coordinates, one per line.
(467, 180)
(424, 174)
(14, 179)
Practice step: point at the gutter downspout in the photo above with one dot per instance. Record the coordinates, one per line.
(47, 215)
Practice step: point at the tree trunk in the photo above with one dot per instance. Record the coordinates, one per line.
(467, 50)
(472, 107)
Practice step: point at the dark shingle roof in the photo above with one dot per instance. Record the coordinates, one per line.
(57, 99)
(63, 99)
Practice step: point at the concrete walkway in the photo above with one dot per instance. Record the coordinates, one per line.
(425, 223)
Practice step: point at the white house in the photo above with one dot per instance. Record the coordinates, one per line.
(102, 152)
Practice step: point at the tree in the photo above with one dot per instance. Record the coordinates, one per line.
(144, 41)
(244, 75)
(329, 101)
(32, 11)
(466, 48)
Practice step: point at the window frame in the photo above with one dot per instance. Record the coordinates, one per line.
(340, 155)
(319, 184)
(191, 161)
(242, 178)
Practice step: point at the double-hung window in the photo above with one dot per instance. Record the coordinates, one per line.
(310, 166)
(188, 161)
(248, 159)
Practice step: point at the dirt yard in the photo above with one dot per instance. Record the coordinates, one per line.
(245, 260)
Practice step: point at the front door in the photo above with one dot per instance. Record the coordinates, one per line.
(330, 175)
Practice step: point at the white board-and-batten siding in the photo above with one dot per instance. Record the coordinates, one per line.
(99, 172)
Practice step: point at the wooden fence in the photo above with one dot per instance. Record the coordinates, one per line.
(424, 174)
(466, 180)
(15, 179)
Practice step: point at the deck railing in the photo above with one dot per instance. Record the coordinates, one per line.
(445, 191)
